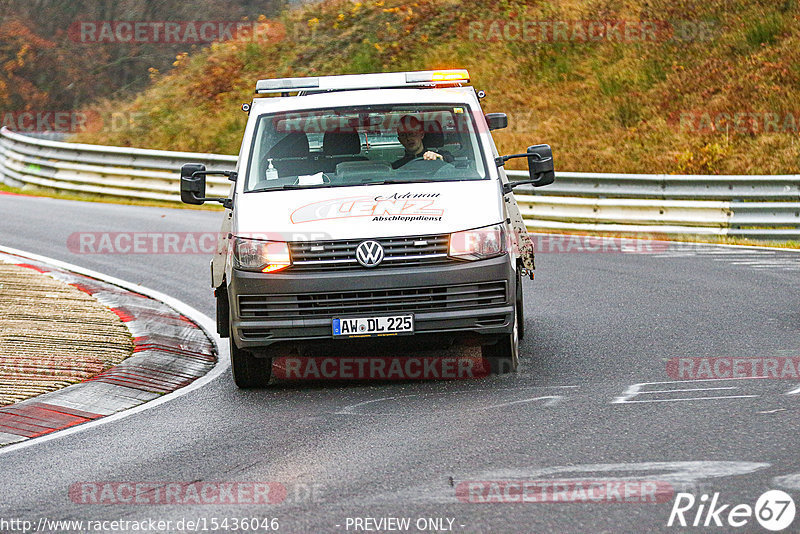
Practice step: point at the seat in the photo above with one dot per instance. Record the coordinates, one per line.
(290, 155)
(340, 147)
(434, 136)
(293, 145)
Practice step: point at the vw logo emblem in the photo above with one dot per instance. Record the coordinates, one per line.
(369, 253)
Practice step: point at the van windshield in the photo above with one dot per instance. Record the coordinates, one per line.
(362, 145)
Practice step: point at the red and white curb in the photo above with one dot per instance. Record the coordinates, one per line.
(171, 351)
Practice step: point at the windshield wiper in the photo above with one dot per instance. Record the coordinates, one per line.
(383, 182)
(347, 184)
(303, 186)
(295, 186)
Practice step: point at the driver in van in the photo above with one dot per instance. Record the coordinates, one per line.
(411, 133)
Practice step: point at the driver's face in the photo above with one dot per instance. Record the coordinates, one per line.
(412, 141)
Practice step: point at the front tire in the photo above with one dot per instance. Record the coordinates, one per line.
(503, 356)
(248, 371)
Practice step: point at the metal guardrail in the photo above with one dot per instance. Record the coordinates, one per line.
(759, 207)
(106, 170)
(762, 207)
(673, 186)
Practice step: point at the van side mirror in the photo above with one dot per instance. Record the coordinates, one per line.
(193, 186)
(497, 121)
(540, 165)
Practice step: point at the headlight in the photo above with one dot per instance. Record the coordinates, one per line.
(478, 244)
(264, 256)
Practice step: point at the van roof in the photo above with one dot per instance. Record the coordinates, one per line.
(350, 82)
(365, 97)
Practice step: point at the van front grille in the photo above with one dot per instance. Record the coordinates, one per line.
(398, 252)
(373, 302)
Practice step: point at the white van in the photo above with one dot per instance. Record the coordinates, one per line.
(371, 205)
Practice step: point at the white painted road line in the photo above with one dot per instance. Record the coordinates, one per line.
(636, 390)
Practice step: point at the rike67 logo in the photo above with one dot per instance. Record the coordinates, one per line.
(774, 510)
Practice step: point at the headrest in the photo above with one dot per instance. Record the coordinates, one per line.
(434, 137)
(341, 143)
(294, 145)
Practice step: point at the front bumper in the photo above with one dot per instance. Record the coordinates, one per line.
(462, 297)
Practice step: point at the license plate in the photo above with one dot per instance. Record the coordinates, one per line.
(373, 326)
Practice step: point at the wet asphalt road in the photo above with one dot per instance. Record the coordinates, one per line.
(593, 401)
